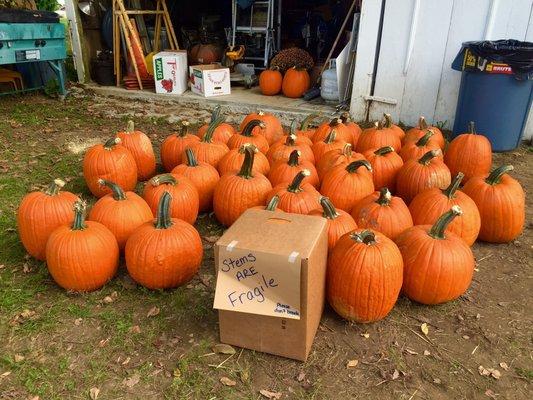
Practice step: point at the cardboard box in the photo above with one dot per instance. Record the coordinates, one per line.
(271, 276)
(210, 80)
(170, 72)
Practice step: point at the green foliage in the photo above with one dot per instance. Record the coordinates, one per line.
(47, 5)
(52, 88)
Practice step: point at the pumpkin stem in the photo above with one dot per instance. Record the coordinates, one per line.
(191, 158)
(243, 147)
(208, 137)
(273, 203)
(384, 150)
(163, 179)
(449, 192)
(294, 125)
(388, 120)
(163, 218)
(294, 158)
(378, 125)
(345, 117)
(248, 129)
(430, 155)
(472, 127)
(110, 143)
(385, 197)
(367, 237)
(54, 188)
(347, 150)
(291, 140)
(215, 114)
(334, 122)
(330, 212)
(331, 136)
(496, 175)
(422, 124)
(424, 139)
(130, 128)
(80, 212)
(438, 228)
(183, 129)
(118, 193)
(354, 165)
(306, 121)
(248, 163)
(294, 186)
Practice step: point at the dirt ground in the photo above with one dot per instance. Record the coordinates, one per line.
(125, 342)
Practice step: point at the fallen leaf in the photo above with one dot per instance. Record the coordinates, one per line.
(7, 373)
(77, 321)
(227, 381)
(437, 381)
(483, 371)
(126, 361)
(18, 358)
(427, 353)
(153, 312)
(490, 393)
(395, 374)
(135, 329)
(93, 393)
(466, 337)
(245, 376)
(222, 348)
(495, 373)
(27, 313)
(176, 373)
(2, 266)
(211, 239)
(410, 351)
(504, 366)
(270, 395)
(352, 363)
(26, 268)
(104, 342)
(108, 300)
(424, 328)
(301, 376)
(489, 372)
(132, 380)
(365, 335)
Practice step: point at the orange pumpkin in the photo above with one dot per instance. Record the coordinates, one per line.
(40, 213)
(140, 146)
(173, 146)
(272, 129)
(232, 161)
(330, 143)
(384, 213)
(296, 197)
(249, 135)
(335, 157)
(438, 264)
(165, 253)
(387, 118)
(343, 133)
(295, 83)
(282, 150)
(222, 130)
(417, 149)
(380, 135)
(500, 200)
(385, 166)
(110, 161)
(208, 150)
(284, 171)
(417, 132)
(354, 129)
(364, 276)
(270, 81)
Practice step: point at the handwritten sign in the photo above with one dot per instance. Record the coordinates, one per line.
(258, 283)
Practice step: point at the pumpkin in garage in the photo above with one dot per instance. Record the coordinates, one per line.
(203, 176)
(420, 147)
(284, 171)
(378, 136)
(110, 161)
(305, 130)
(272, 205)
(295, 83)
(165, 253)
(469, 153)
(120, 212)
(417, 175)
(209, 150)
(140, 146)
(500, 200)
(249, 135)
(342, 132)
(417, 132)
(232, 161)
(395, 128)
(296, 197)
(240, 190)
(438, 264)
(40, 213)
(185, 198)
(430, 204)
(385, 166)
(282, 150)
(339, 221)
(383, 212)
(335, 157)
(354, 129)
(270, 81)
(174, 145)
(222, 130)
(364, 276)
(272, 130)
(83, 256)
(329, 143)
(345, 185)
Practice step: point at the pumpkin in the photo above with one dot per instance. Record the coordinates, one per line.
(233, 159)
(395, 128)
(248, 135)
(222, 130)
(343, 133)
(270, 81)
(296, 197)
(385, 164)
(500, 200)
(239, 190)
(335, 157)
(469, 153)
(173, 146)
(203, 176)
(110, 161)
(284, 171)
(430, 204)
(165, 253)
(330, 143)
(378, 136)
(208, 150)
(420, 147)
(272, 205)
(438, 264)
(185, 198)
(83, 256)
(417, 175)
(295, 83)
(120, 212)
(140, 146)
(272, 129)
(364, 276)
(40, 213)
(339, 221)
(282, 150)
(383, 212)
(354, 129)
(305, 130)
(417, 132)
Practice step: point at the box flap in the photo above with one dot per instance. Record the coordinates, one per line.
(206, 67)
(167, 53)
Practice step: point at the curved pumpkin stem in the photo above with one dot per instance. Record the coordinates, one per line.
(248, 129)
(118, 193)
(384, 150)
(472, 128)
(367, 237)
(430, 155)
(385, 197)
(215, 114)
(449, 192)
(55, 187)
(163, 179)
(347, 150)
(243, 147)
(345, 117)
(208, 137)
(163, 219)
(248, 163)
(496, 175)
(110, 143)
(291, 140)
(130, 128)
(424, 139)
(273, 203)
(354, 165)
(378, 125)
(388, 120)
(422, 124)
(191, 158)
(331, 136)
(306, 121)
(330, 212)
(334, 122)
(439, 227)
(294, 158)
(183, 129)
(294, 187)
(293, 127)
(80, 212)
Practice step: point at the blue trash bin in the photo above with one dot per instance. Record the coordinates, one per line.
(497, 100)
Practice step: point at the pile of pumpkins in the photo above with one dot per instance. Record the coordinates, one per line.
(397, 217)
(294, 83)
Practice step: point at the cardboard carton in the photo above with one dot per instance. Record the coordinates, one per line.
(170, 72)
(271, 275)
(210, 80)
